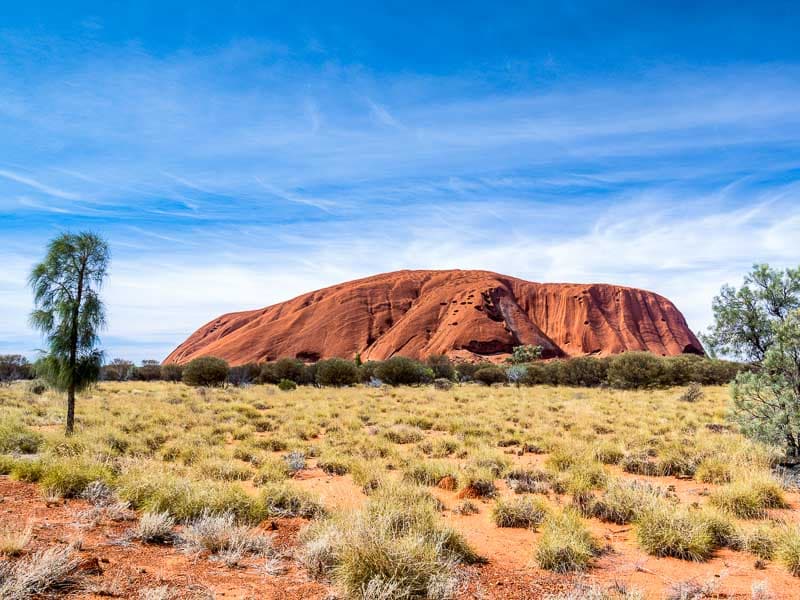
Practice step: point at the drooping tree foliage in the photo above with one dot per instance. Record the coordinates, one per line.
(70, 313)
(747, 319)
(760, 322)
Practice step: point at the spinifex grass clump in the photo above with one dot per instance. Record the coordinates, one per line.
(429, 472)
(566, 544)
(623, 501)
(394, 547)
(522, 511)
(788, 549)
(667, 530)
(185, 499)
(16, 438)
(476, 483)
(749, 497)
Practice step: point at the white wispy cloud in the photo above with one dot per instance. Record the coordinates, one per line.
(38, 185)
(220, 194)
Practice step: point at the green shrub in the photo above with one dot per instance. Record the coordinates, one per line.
(525, 354)
(7, 464)
(566, 544)
(584, 371)
(172, 372)
(244, 374)
(400, 370)
(337, 372)
(16, 438)
(467, 370)
(292, 369)
(441, 366)
(541, 373)
(150, 370)
(490, 374)
(287, 385)
(635, 370)
(693, 393)
(206, 371)
(27, 470)
(522, 511)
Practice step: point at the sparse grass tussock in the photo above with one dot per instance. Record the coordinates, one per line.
(566, 544)
(623, 501)
(402, 434)
(154, 528)
(522, 511)
(668, 530)
(429, 472)
(185, 499)
(220, 535)
(392, 547)
(51, 570)
(13, 539)
(284, 500)
(749, 497)
(788, 549)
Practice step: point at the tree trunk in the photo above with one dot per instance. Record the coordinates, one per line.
(71, 409)
(73, 352)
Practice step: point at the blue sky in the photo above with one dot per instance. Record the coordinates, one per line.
(236, 155)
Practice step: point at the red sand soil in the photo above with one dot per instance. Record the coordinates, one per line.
(510, 571)
(464, 314)
(126, 567)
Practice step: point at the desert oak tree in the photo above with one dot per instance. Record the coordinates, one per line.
(69, 312)
(760, 322)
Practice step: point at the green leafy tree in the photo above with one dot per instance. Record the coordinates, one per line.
(70, 313)
(337, 372)
(118, 369)
(206, 371)
(766, 402)
(760, 322)
(525, 354)
(746, 320)
(14, 366)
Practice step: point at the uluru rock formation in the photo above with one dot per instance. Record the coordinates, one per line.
(464, 314)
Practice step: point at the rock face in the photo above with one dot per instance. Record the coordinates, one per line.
(464, 314)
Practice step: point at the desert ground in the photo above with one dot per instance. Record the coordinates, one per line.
(167, 491)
